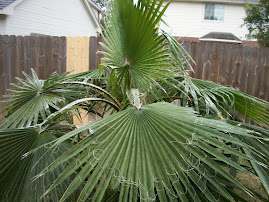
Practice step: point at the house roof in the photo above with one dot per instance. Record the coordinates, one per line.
(221, 37)
(5, 3)
(7, 8)
(222, 1)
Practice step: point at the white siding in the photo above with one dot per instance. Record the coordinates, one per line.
(187, 20)
(51, 17)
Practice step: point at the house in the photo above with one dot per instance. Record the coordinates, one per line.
(49, 17)
(197, 18)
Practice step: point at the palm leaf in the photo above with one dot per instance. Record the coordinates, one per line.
(228, 100)
(134, 50)
(262, 172)
(160, 150)
(16, 172)
(32, 100)
(179, 55)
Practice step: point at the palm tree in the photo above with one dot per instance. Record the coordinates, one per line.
(147, 148)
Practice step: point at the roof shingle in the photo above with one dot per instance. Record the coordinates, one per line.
(5, 3)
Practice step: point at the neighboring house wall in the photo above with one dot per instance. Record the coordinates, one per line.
(50, 17)
(187, 20)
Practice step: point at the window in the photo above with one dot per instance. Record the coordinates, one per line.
(214, 12)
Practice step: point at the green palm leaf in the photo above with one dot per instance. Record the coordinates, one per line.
(159, 151)
(134, 50)
(154, 152)
(33, 100)
(228, 100)
(263, 146)
(17, 172)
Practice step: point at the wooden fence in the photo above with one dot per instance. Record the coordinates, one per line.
(44, 54)
(242, 67)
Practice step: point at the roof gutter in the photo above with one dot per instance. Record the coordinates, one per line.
(220, 40)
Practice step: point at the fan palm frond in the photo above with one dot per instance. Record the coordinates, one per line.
(17, 169)
(227, 100)
(159, 151)
(33, 99)
(134, 50)
(260, 145)
(151, 152)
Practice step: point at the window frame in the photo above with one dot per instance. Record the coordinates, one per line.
(204, 13)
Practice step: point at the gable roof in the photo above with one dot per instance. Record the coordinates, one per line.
(221, 37)
(221, 1)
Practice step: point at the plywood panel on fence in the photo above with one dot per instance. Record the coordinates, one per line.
(85, 43)
(77, 55)
(77, 61)
(77, 52)
(69, 54)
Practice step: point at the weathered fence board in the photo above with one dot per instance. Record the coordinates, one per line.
(95, 57)
(44, 54)
(21, 53)
(92, 53)
(242, 67)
